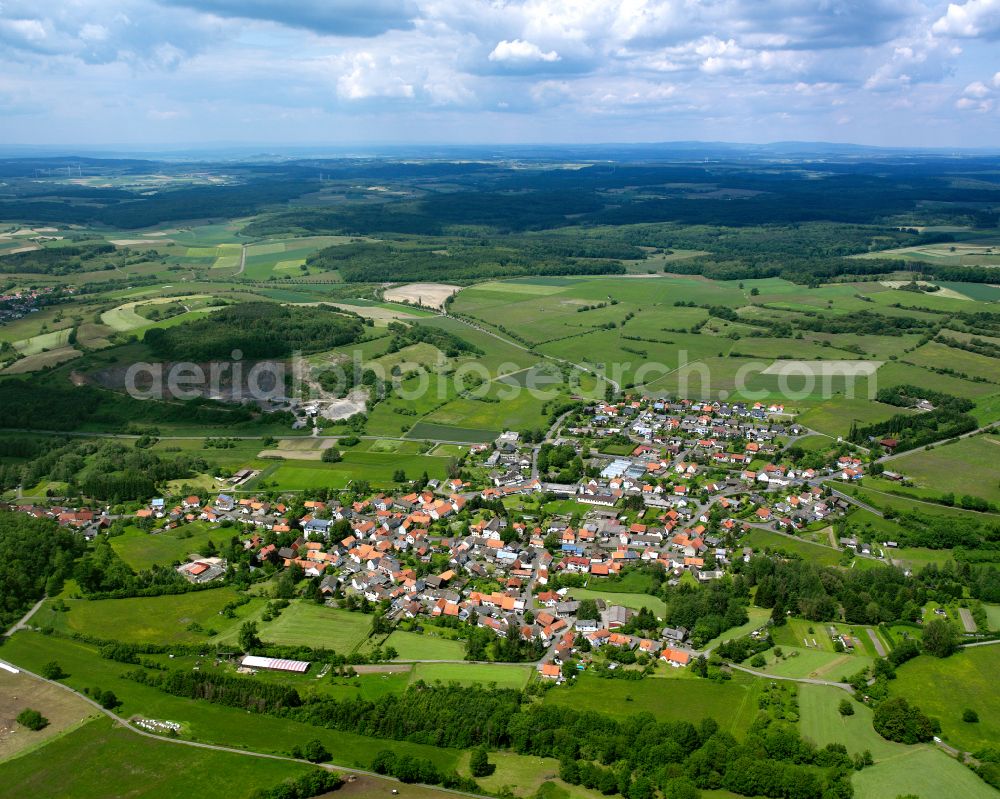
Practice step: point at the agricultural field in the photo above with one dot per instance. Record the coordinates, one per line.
(63, 710)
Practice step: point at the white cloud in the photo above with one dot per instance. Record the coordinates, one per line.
(367, 77)
(521, 51)
(969, 20)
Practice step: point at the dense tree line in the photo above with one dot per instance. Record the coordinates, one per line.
(36, 555)
(231, 690)
(258, 330)
(451, 260)
(452, 345)
(707, 610)
(37, 404)
(56, 260)
(865, 596)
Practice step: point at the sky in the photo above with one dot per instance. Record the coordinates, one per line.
(175, 73)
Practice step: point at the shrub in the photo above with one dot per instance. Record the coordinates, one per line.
(32, 719)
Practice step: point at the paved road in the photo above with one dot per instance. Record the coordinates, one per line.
(876, 643)
(981, 643)
(23, 622)
(218, 748)
(853, 501)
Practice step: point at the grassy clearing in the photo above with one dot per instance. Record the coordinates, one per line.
(763, 539)
(161, 620)
(503, 675)
(678, 696)
(441, 432)
(418, 646)
(141, 550)
(943, 688)
(628, 600)
(103, 760)
(923, 772)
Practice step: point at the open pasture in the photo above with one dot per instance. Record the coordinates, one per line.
(142, 550)
(943, 688)
(948, 466)
(172, 618)
(675, 696)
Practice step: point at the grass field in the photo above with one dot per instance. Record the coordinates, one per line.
(628, 600)
(922, 772)
(947, 467)
(943, 688)
(160, 620)
(305, 623)
(758, 616)
(378, 468)
(102, 760)
(418, 646)
(835, 416)
(815, 664)
(503, 675)
(821, 722)
(763, 539)
(18, 692)
(141, 550)
(678, 696)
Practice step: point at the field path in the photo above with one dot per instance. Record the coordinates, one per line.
(243, 261)
(876, 643)
(246, 753)
(22, 623)
(967, 621)
(807, 680)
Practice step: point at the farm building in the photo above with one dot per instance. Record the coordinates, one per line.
(275, 664)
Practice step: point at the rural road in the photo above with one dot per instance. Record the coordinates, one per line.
(512, 343)
(853, 501)
(243, 261)
(218, 748)
(876, 643)
(23, 622)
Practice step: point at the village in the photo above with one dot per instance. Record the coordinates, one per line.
(505, 551)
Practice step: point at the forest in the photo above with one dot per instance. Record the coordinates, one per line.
(36, 556)
(257, 330)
